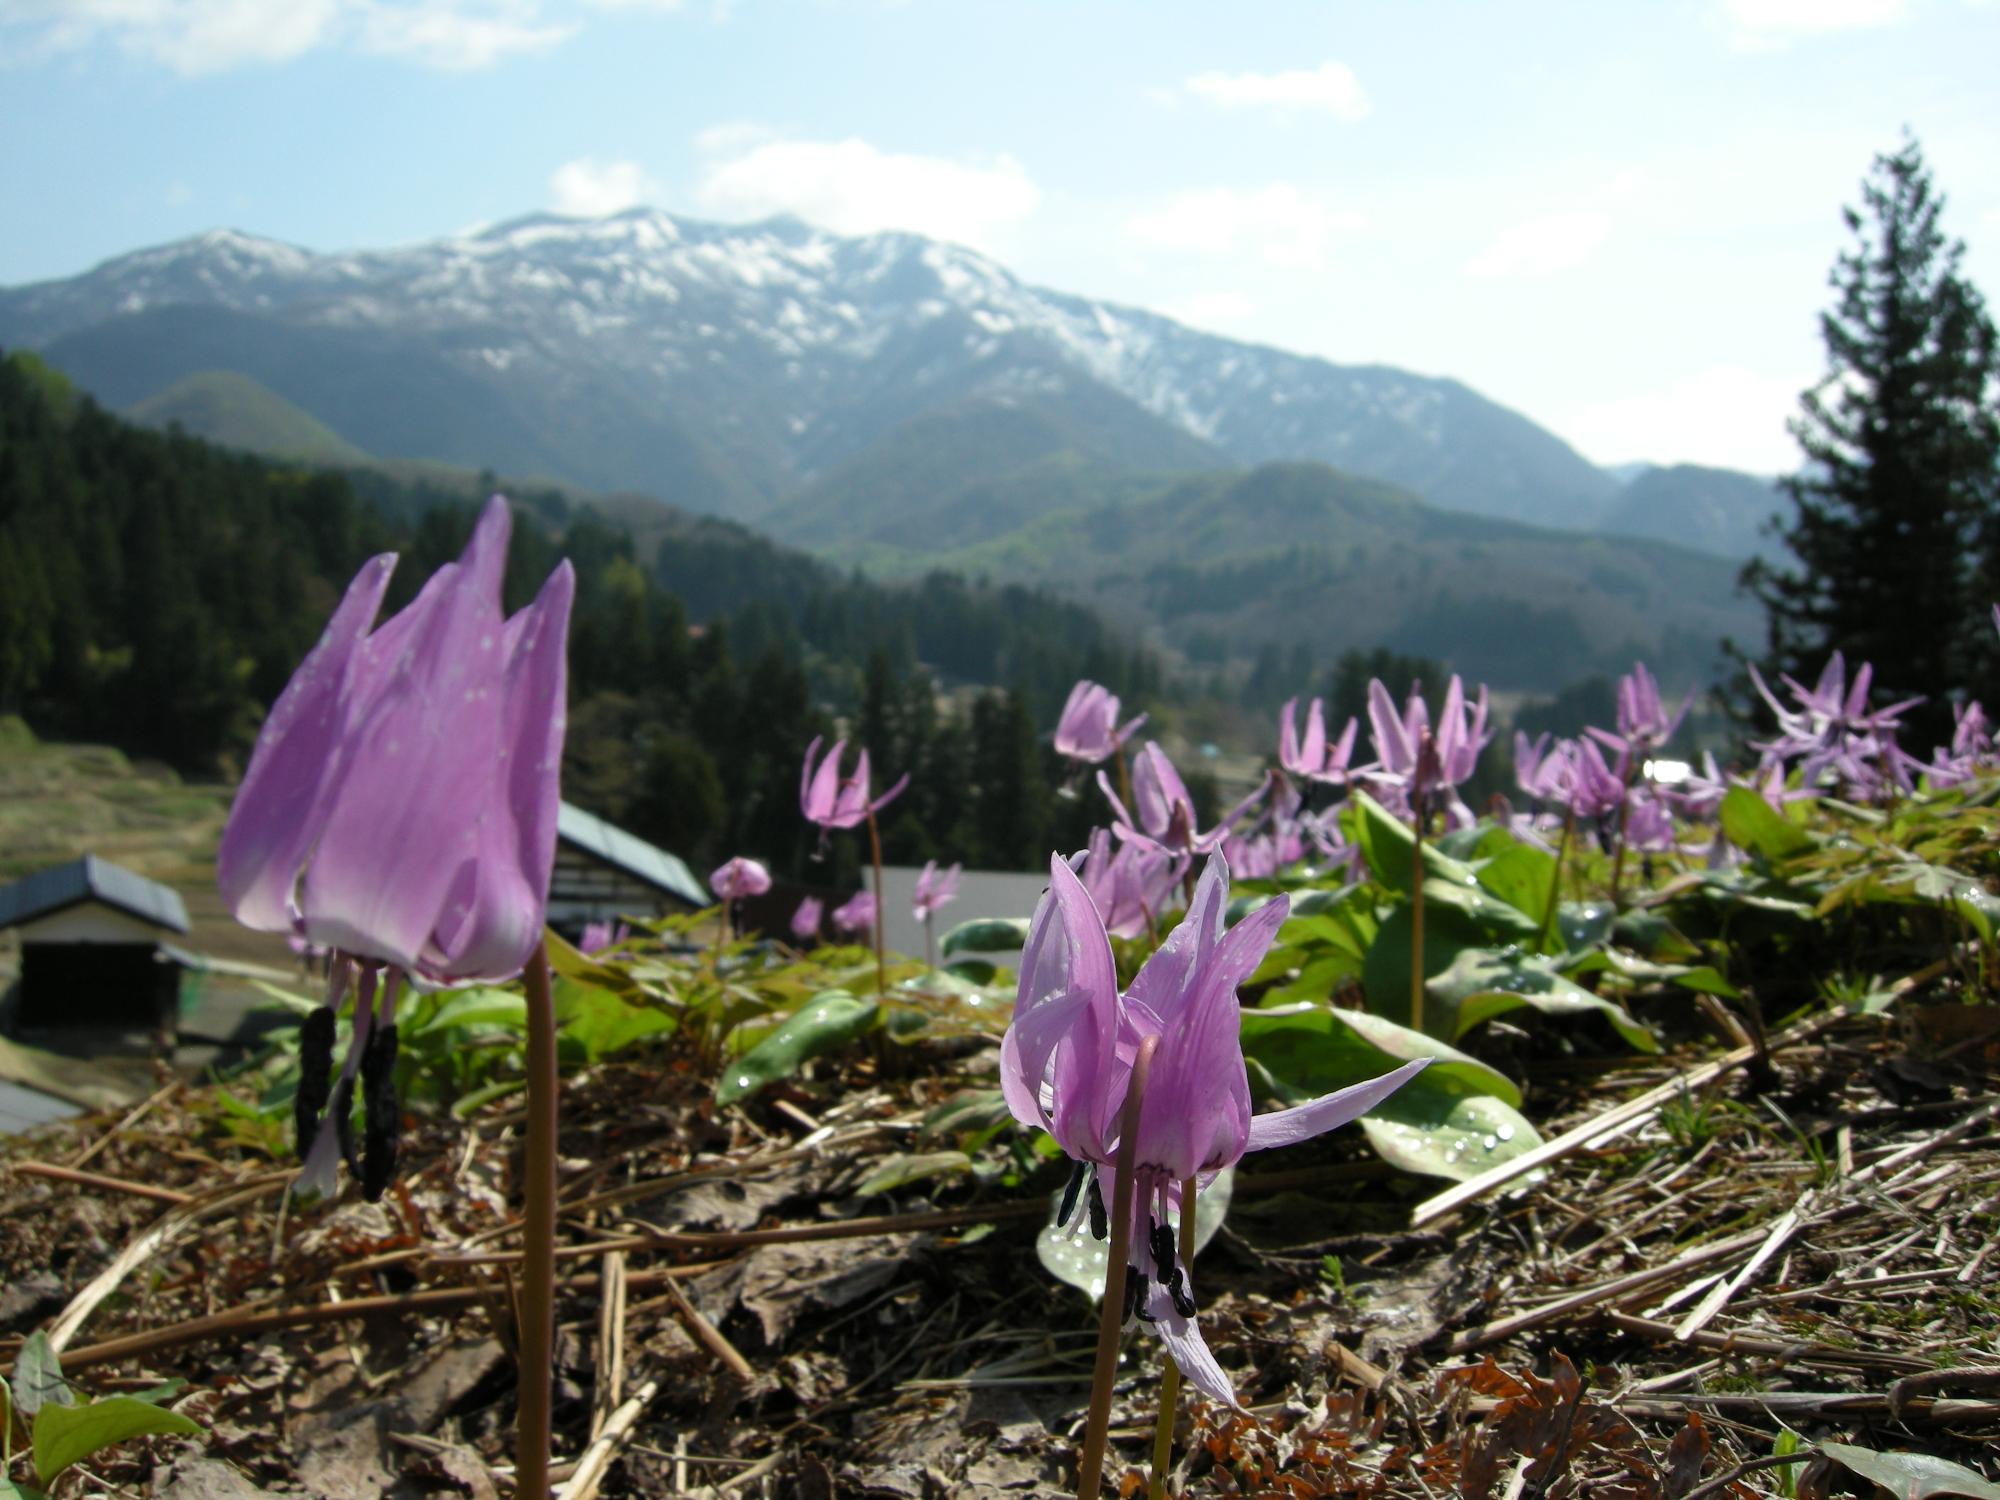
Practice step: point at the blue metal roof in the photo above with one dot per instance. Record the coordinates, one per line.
(91, 879)
(631, 854)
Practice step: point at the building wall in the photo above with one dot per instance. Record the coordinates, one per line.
(88, 922)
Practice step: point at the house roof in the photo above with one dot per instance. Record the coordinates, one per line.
(91, 879)
(631, 854)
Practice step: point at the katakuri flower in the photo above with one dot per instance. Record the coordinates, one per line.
(857, 914)
(1088, 730)
(1644, 725)
(934, 888)
(1407, 780)
(1067, 1062)
(1166, 809)
(806, 918)
(400, 804)
(1129, 884)
(833, 802)
(1312, 757)
(738, 878)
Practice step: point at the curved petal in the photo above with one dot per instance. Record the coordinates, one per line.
(300, 754)
(490, 931)
(1066, 975)
(1286, 1127)
(1197, 1109)
(406, 818)
(1184, 1342)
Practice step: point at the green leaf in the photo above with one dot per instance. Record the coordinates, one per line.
(38, 1377)
(1081, 1261)
(6, 1427)
(479, 1007)
(1385, 973)
(1308, 1050)
(1911, 1476)
(1749, 822)
(1484, 983)
(1388, 845)
(13, 1490)
(900, 1171)
(65, 1434)
(596, 1022)
(1523, 877)
(1433, 1126)
(968, 1109)
(987, 935)
(830, 1019)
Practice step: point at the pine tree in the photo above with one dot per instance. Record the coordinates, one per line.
(1900, 491)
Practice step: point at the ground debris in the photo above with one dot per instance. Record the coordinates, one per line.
(1654, 1312)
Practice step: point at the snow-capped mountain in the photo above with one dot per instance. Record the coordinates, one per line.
(729, 367)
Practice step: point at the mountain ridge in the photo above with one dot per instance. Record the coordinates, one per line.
(769, 353)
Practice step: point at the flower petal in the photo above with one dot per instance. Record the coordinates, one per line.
(1285, 1127)
(296, 765)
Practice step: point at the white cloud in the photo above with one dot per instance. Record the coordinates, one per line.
(1542, 247)
(211, 36)
(593, 188)
(457, 37)
(851, 187)
(1279, 223)
(1219, 312)
(1723, 415)
(1760, 24)
(1331, 88)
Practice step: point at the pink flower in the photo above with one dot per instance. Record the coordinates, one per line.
(857, 914)
(1312, 757)
(1088, 729)
(831, 802)
(738, 878)
(1067, 1059)
(805, 921)
(935, 888)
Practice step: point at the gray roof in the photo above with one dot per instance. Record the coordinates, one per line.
(631, 854)
(91, 879)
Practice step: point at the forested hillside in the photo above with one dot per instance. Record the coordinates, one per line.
(156, 592)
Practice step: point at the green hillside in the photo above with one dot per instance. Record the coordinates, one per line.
(237, 412)
(1223, 565)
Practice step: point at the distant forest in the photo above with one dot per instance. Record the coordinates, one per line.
(156, 592)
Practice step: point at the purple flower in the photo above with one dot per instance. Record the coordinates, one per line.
(857, 914)
(401, 801)
(1129, 884)
(739, 878)
(1644, 725)
(1312, 757)
(1088, 729)
(1834, 729)
(1166, 811)
(400, 809)
(1067, 1059)
(1417, 769)
(828, 800)
(805, 920)
(597, 936)
(935, 888)
(1570, 774)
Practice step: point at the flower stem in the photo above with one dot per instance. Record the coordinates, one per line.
(1111, 1311)
(1417, 926)
(875, 859)
(534, 1413)
(1555, 882)
(1170, 1385)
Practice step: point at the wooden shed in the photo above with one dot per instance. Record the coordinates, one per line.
(603, 873)
(93, 947)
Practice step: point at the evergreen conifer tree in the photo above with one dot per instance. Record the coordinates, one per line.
(1900, 491)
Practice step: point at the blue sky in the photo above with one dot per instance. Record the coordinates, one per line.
(1616, 218)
